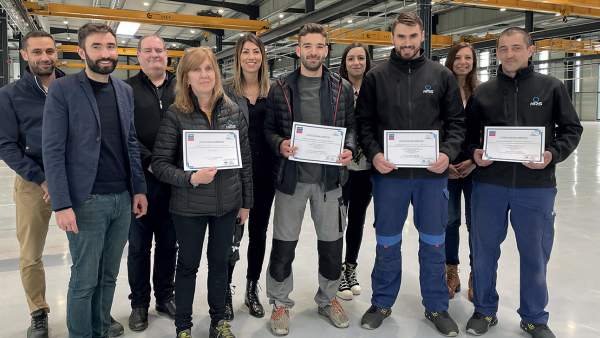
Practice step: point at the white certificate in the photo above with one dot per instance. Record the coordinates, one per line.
(514, 144)
(411, 148)
(317, 144)
(211, 148)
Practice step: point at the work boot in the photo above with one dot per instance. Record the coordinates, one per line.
(471, 297)
(335, 313)
(185, 334)
(452, 279)
(222, 330)
(351, 278)
(280, 320)
(167, 309)
(538, 330)
(229, 303)
(480, 324)
(252, 300)
(344, 291)
(39, 324)
(443, 323)
(138, 320)
(374, 316)
(115, 329)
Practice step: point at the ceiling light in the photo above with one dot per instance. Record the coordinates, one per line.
(192, 31)
(350, 21)
(278, 59)
(68, 38)
(174, 45)
(123, 41)
(66, 22)
(557, 14)
(128, 28)
(281, 16)
(241, 34)
(433, 3)
(146, 4)
(221, 11)
(502, 9)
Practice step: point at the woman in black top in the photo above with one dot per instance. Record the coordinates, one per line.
(249, 87)
(206, 198)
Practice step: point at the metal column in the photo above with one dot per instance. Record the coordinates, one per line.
(569, 75)
(4, 74)
(22, 63)
(371, 51)
(309, 6)
(529, 21)
(271, 67)
(425, 15)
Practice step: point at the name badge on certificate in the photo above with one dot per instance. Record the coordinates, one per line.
(317, 144)
(211, 148)
(514, 144)
(411, 148)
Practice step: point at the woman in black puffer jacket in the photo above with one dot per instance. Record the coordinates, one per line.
(207, 197)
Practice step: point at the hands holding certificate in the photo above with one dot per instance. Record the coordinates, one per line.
(286, 150)
(383, 166)
(478, 154)
(514, 144)
(317, 144)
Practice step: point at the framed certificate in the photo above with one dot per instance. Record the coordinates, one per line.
(411, 148)
(317, 144)
(211, 148)
(514, 144)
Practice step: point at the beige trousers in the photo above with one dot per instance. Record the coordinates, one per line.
(33, 216)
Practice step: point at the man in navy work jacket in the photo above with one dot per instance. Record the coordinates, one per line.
(21, 108)
(93, 171)
(521, 97)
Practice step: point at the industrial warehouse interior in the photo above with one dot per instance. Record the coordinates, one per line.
(566, 36)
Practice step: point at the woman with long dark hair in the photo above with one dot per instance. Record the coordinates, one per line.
(248, 88)
(462, 61)
(207, 198)
(356, 62)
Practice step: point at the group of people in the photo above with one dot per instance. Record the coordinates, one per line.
(106, 156)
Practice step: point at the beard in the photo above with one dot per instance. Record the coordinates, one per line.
(312, 66)
(410, 57)
(95, 67)
(36, 68)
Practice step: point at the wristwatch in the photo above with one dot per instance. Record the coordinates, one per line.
(194, 184)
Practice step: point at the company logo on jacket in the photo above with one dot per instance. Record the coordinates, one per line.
(535, 102)
(230, 125)
(428, 90)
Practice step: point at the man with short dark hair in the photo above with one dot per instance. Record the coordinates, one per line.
(311, 94)
(94, 172)
(153, 93)
(410, 92)
(21, 110)
(521, 97)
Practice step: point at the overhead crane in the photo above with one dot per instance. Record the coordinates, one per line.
(154, 18)
(121, 51)
(562, 7)
(82, 65)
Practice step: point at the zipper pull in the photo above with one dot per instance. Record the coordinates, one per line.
(325, 197)
(160, 104)
(516, 86)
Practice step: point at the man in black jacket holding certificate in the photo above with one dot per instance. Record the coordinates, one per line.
(520, 97)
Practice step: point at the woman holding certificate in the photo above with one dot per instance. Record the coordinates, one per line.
(248, 88)
(462, 61)
(202, 150)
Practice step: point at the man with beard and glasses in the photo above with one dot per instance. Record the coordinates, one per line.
(21, 108)
(311, 94)
(95, 176)
(410, 92)
(153, 93)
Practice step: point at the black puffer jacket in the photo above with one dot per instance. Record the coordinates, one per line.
(230, 189)
(283, 109)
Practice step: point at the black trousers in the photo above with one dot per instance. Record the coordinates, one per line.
(258, 222)
(156, 223)
(190, 235)
(357, 196)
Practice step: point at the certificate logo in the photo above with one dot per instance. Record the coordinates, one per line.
(391, 137)
(492, 133)
(299, 130)
(337, 133)
(190, 137)
(535, 102)
(230, 136)
(430, 136)
(428, 90)
(536, 133)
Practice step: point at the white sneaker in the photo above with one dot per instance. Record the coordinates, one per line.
(336, 314)
(344, 291)
(351, 279)
(280, 320)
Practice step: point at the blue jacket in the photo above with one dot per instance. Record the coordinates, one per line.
(71, 139)
(21, 110)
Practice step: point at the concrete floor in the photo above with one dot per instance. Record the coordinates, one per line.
(572, 274)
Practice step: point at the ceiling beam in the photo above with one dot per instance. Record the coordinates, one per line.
(571, 8)
(250, 10)
(191, 43)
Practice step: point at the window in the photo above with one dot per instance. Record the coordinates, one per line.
(443, 61)
(484, 62)
(577, 74)
(543, 56)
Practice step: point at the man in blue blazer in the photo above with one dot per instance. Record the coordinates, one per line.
(93, 171)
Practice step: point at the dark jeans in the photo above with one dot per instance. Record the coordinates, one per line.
(190, 235)
(258, 222)
(456, 188)
(156, 223)
(357, 196)
(103, 223)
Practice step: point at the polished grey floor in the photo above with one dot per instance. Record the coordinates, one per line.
(573, 274)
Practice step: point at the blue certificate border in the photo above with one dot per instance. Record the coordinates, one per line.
(386, 142)
(495, 128)
(185, 136)
(304, 125)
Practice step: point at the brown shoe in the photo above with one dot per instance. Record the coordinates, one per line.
(452, 279)
(471, 286)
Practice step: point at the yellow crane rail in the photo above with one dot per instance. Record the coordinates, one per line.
(82, 65)
(121, 51)
(153, 18)
(544, 7)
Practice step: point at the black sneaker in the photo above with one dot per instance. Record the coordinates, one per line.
(374, 316)
(352, 280)
(115, 329)
(229, 303)
(538, 330)
(185, 334)
(443, 323)
(221, 330)
(39, 325)
(344, 292)
(479, 323)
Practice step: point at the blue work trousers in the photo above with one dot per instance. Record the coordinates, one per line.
(532, 218)
(392, 197)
